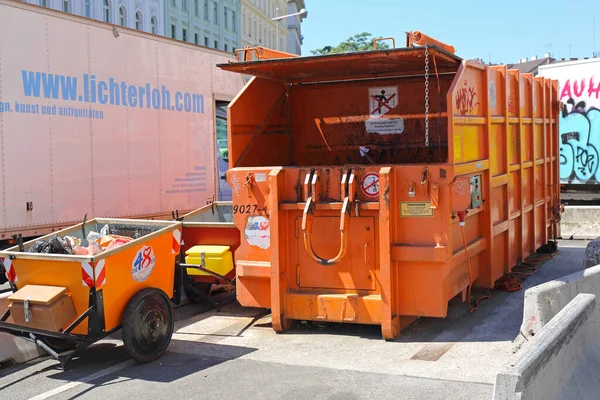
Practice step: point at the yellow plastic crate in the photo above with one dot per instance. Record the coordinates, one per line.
(217, 259)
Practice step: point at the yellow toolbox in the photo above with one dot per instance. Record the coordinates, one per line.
(218, 259)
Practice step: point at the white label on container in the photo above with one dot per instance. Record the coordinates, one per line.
(382, 100)
(260, 177)
(258, 231)
(385, 126)
(143, 264)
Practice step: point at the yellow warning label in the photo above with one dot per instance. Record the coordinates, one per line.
(416, 209)
(457, 147)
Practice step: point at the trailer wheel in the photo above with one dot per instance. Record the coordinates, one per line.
(147, 325)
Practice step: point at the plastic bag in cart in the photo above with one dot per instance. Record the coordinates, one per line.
(54, 245)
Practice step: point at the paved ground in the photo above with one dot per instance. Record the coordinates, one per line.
(235, 354)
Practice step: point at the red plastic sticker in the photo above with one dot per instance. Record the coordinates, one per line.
(370, 184)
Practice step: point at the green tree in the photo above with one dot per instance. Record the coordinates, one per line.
(358, 42)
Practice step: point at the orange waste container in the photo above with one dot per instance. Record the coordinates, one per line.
(353, 173)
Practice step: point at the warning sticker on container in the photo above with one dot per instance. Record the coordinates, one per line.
(382, 100)
(258, 232)
(416, 209)
(370, 184)
(385, 126)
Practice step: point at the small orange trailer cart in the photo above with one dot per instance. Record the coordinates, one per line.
(373, 187)
(209, 239)
(65, 302)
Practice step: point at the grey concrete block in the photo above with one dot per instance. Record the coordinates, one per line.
(560, 362)
(591, 256)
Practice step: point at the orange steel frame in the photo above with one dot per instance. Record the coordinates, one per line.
(294, 162)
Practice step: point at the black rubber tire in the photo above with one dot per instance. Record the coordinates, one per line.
(147, 325)
(194, 297)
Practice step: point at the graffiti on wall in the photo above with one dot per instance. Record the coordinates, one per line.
(466, 99)
(579, 127)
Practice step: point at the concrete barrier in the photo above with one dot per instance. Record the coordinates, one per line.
(580, 222)
(545, 301)
(15, 350)
(562, 361)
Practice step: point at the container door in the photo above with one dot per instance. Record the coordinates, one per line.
(222, 149)
(355, 271)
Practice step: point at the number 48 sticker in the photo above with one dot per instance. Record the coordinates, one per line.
(143, 264)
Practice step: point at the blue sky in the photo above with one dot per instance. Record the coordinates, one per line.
(504, 31)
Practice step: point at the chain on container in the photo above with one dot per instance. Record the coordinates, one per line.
(426, 95)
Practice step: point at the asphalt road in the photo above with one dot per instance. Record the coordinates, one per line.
(234, 354)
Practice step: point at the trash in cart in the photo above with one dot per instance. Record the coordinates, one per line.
(98, 242)
(66, 302)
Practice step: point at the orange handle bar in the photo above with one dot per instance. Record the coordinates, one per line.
(307, 221)
(376, 40)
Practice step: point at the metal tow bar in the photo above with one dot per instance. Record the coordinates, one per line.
(311, 193)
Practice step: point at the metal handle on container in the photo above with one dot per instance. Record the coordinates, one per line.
(307, 222)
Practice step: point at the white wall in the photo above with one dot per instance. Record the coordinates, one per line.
(147, 8)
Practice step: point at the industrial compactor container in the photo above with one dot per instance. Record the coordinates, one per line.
(356, 175)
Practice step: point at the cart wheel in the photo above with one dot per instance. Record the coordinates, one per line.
(147, 325)
(201, 287)
(57, 344)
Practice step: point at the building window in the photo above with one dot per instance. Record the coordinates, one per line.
(184, 35)
(233, 22)
(196, 38)
(184, 5)
(197, 8)
(88, 9)
(225, 47)
(225, 19)
(173, 31)
(43, 3)
(206, 10)
(122, 16)
(138, 21)
(106, 11)
(216, 13)
(153, 25)
(206, 41)
(174, 3)
(216, 44)
(66, 5)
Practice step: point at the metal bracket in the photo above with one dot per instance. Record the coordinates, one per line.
(26, 310)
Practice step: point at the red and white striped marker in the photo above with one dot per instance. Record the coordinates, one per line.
(176, 241)
(93, 274)
(100, 273)
(87, 274)
(9, 269)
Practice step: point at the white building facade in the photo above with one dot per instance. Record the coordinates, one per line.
(294, 37)
(257, 27)
(143, 15)
(210, 23)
